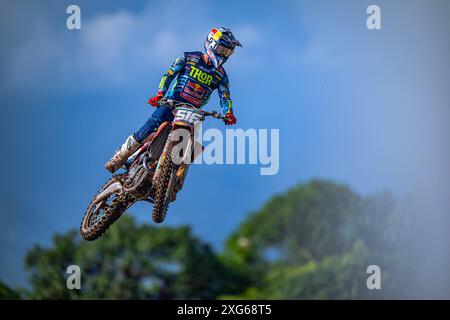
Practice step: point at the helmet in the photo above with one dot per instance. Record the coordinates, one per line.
(220, 44)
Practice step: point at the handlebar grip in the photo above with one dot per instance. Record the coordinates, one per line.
(217, 115)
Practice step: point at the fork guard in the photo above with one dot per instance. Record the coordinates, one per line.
(158, 140)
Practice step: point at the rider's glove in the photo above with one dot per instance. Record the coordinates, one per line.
(154, 100)
(230, 119)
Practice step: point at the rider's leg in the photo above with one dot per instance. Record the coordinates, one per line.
(127, 149)
(160, 115)
(134, 142)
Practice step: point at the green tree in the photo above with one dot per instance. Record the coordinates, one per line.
(316, 241)
(313, 242)
(130, 262)
(8, 293)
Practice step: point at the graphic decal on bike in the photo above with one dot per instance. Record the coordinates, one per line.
(191, 116)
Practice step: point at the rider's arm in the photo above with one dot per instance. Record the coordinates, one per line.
(176, 67)
(224, 95)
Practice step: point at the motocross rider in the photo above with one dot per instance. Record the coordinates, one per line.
(197, 76)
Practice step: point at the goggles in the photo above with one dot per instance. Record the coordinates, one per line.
(223, 51)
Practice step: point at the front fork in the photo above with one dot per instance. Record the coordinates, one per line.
(162, 158)
(194, 148)
(181, 176)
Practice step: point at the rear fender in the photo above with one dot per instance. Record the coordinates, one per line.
(158, 141)
(154, 143)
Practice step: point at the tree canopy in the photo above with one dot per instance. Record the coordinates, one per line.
(314, 241)
(8, 293)
(130, 262)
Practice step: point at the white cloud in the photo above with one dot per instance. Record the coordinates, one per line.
(111, 49)
(105, 39)
(108, 49)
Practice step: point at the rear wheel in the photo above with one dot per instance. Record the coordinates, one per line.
(105, 208)
(163, 190)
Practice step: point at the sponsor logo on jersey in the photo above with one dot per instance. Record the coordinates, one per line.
(193, 90)
(196, 87)
(194, 101)
(163, 82)
(193, 58)
(201, 76)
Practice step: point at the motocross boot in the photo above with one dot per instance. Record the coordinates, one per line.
(122, 154)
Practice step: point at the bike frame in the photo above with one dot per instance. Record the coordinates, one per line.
(186, 118)
(141, 182)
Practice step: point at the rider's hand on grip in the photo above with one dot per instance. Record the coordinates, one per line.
(154, 100)
(230, 119)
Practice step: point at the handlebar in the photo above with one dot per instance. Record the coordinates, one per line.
(172, 104)
(214, 114)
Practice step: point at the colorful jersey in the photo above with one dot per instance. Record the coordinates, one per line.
(195, 81)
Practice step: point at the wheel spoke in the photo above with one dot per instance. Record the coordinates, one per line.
(101, 209)
(105, 208)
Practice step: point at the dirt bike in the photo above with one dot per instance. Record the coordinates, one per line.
(155, 173)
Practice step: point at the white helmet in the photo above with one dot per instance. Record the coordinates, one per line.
(220, 44)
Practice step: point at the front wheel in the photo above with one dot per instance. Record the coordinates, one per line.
(163, 190)
(105, 208)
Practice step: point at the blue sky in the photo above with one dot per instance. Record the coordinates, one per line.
(367, 108)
